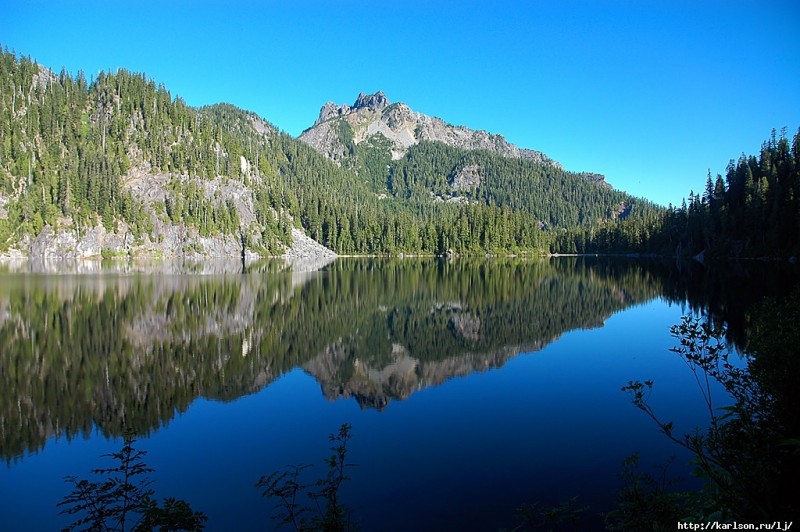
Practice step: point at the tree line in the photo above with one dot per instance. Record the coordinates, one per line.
(754, 210)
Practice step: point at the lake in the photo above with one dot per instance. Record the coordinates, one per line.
(472, 386)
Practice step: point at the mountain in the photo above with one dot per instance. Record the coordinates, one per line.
(373, 119)
(118, 167)
(373, 114)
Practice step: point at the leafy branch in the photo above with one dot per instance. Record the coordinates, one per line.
(123, 500)
(323, 510)
(726, 453)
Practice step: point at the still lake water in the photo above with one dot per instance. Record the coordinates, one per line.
(472, 387)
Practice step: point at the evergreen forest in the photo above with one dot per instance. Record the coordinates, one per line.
(754, 211)
(78, 153)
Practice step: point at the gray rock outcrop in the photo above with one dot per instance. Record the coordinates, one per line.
(65, 248)
(466, 178)
(373, 114)
(306, 254)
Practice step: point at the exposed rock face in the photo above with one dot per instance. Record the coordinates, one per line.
(467, 178)
(623, 210)
(167, 240)
(3, 203)
(306, 254)
(51, 244)
(66, 245)
(331, 110)
(377, 101)
(596, 178)
(372, 114)
(173, 241)
(59, 249)
(261, 126)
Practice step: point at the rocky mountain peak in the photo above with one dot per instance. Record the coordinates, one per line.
(331, 110)
(373, 114)
(376, 102)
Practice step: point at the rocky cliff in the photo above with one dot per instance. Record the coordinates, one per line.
(66, 243)
(120, 167)
(339, 126)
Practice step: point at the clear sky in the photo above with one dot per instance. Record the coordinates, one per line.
(651, 93)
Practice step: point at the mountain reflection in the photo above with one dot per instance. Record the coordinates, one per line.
(119, 351)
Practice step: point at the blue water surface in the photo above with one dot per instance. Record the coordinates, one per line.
(549, 424)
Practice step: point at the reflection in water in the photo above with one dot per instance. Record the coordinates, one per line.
(118, 351)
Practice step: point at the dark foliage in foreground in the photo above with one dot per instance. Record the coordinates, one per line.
(123, 499)
(316, 505)
(748, 455)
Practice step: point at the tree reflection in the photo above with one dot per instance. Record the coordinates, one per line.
(117, 351)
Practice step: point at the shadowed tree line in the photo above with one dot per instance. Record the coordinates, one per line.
(753, 211)
(749, 454)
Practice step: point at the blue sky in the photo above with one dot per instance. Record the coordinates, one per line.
(651, 93)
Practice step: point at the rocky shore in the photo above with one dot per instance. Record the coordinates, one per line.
(177, 251)
(306, 254)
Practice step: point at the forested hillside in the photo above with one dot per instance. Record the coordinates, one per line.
(753, 211)
(74, 152)
(118, 164)
(557, 198)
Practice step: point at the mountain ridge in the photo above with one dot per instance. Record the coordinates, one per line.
(373, 114)
(161, 178)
